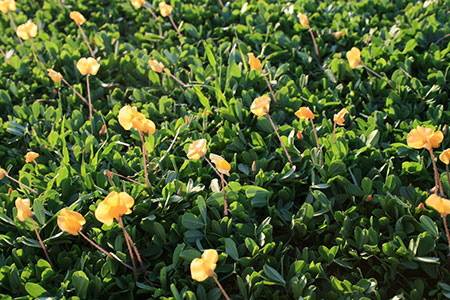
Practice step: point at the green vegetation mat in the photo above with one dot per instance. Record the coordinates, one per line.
(347, 220)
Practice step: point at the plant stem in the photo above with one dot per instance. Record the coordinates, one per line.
(176, 28)
(177, 80)
(124, 177)
(334, 130)
(37, 55)
(144, 155)
(437, 180)
(42, 244)
(104, 251)
(221, 4)
(214, 168)
(127, 236)
(4, 55)
(315, 133)
(89, 97)
(445, 36)
(225, 206)
(281, 141)
(20, 183)
(376, 74)
(14, 26)
(129, 248)
(446, 231)
(316, 49)
(151, 12)
(270, 87)
(220, 287)
(86, 40)
(78, 94)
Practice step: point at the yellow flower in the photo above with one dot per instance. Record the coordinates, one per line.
(303, 19)
(23, 209)
(137, 3)
(70, 221)
(145, 125)
(260, 106)
(115, 205)
(130, 117)
(339, 117)
(255, 64)
(422, 137)
(3, 173)
(126, 115)
(354, 57)
(165, 9)
(77, 17)
(31, 156)
(55, 76)
(202, 268)
(221, 164)
(305, 112)
(197, 149)
(440, 204)
(337, 34)
(27, 30)
(156, 66)
(7, 5)
(88, 66)
(445, 157)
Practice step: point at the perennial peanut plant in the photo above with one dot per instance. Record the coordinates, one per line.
(327, 154)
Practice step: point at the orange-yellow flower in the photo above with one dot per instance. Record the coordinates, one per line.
(55, 76)
(339, 117)
(440, 204)
(23, 209)
(137, 3)
(31, 156)
(156, 66)
(354, 57)
(27, 30)
(7, 5)
(88, 66)
(144, 125)
(422, 137)
(221, 164)
(130, 117)
(165, 9)
(260, 106)
(337, 34)
(305, 112)
(3, 173)
(197, 149)
(202, 268)
(445, 156)
(115, 205)
(77, 17)
(70, 221)
(303, 19)
(255, 64)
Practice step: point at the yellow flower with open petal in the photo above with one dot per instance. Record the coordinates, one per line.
(70, 221)
(165, 9)
(255, 64)
(137, 3)
(55, 76)
(145, 125)
(3, 173)
(304, 21)
(156, 66)
(77, 17)
(422, 137)
(440, 204)
(305, 112)
(7, 6)
(31, 156)
(221, 164)
(354, 57)
(27, 30)
(113, 207)
(445, 156)
(260, 106)
(23, 209)
(197, 149)
(88, 66)
(202, 268)
(339, 117)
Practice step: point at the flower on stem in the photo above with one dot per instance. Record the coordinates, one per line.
(55, 76)
(27, 30)
(77, 17)
(165, 9)
(221, 164)
(113, 207)
(31, 156)
(422, 137)
(202, 268)
(440, 204)
(88, 66)
(339, 117)
(304, 21)
(137, 3)
(445, 157)
(197, 149)
(7, 6)
(70, 221)
(260, 106)
(305, 112)
(3, 173)
(156, 66)
(354, 57)
(23, 209)
(255, 64)
(129, 118)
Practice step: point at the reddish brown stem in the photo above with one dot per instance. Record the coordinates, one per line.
(376, 74)
(221, 4)
(151, 12)
(21, 184)
(37, 55)
(129, 248)
(128, 237)
(334, 130)
(86, 40)
(221, 288)
(89, 97)
(281, 141)
(315, 133)
(316, 49)
(437, 180)
(225, 206)
(144, 155)
(78, 94)
(446, 232)
(270, 88)
(124, 177)
(177, 80)
(214, 168)
(14, 26)
(42, 244)
(445, 36)
(176, 28)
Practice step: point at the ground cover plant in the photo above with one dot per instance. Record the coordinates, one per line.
(224, 149)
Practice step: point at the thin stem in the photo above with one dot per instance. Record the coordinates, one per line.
(445, 36)
(221, 4)
(20, 183)
(270, 88)
(104, 251)
(170, 148)
(376, 74)
(314, 42)
(144, 155)
(281, 141)
(214, 168)
(42, 244)
(89, 98)
(225, 206)
(86, 40)
(127, 236)
(4, 55)
(334, 130)
(37, 55)
(446, 231)
(124, 177)
(437, 180)
(14, 26)
(177, 80)
(78, 94)
(315, 133)
(129, 248)
(176, 28)
(220, 287)
(151, 12)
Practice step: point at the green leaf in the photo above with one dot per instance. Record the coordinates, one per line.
(34, 289)
(273, 274)
(190, 221)
(81, 283)
(230, 248)
(429, 225)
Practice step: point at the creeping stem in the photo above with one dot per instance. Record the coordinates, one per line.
(42, 244)
(281, 141)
